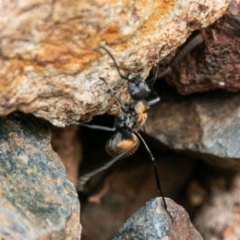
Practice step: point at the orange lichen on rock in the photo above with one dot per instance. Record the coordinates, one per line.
(49, 45)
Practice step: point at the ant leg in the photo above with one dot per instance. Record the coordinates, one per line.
(153, 101)
(115, 63)
(123, 107)
(187, 48)
(83, 179)
(163, 73)
(155, 168)
(98, 127)
(156, 69)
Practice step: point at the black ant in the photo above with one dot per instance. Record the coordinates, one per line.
(126, 139)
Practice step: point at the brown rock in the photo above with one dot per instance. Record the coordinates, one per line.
(37, 201)
(49, 67)
(154, 222)
(216, 65)
(66, 143)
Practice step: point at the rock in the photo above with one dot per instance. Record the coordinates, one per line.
(216, 65)
(218, 217)
(37, 201)
(154, 222)
(49, 67)
(65, 142)
(205, 126)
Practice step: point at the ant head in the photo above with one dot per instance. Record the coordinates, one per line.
(138, 88)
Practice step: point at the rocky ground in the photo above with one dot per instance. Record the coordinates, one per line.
(49, 70)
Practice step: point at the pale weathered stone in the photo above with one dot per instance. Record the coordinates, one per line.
(47, 63)
(37, 201)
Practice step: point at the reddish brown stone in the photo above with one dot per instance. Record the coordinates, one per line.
(216, 64)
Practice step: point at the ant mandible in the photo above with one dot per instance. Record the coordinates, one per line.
(127, 124)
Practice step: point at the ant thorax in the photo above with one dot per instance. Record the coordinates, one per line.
(134, 118)
(125, 122)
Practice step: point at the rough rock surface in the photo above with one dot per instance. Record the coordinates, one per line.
(206, 126)
(47, 63)
(37, 201)
(216, 65)
(154, 222)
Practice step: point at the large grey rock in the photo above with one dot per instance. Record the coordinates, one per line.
(206, 126)
(37, 201)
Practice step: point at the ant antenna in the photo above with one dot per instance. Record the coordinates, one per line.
(152, 80)
(123, 107)
(115, 63)
(155, 169)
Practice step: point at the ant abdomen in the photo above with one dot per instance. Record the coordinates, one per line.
(118, 144)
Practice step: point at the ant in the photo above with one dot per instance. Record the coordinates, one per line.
(126, 138)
